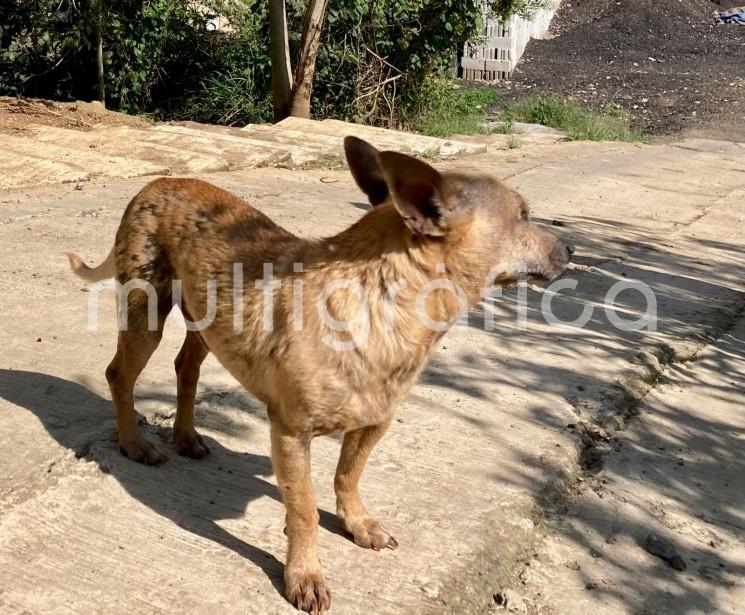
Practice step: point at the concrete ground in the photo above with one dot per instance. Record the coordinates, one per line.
(525, 472)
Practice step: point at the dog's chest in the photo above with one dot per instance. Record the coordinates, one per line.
(374, 387)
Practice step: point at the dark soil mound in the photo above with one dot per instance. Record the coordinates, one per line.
(665, 61)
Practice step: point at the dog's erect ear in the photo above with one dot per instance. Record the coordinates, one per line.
(363, 163)
(416, 188)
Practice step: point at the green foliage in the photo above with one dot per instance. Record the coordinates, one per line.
(38, 44)
(159, 58)
(579, 122)
(376, 57)
(377, 63)
(523, 8)
(236, 88)
(446, 109)
(153, 51)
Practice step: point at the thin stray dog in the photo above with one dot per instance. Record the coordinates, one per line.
(314, 376)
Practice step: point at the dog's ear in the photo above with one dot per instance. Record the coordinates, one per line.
(363, 163)
(417, 190)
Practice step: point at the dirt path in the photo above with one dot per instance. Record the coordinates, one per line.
(493, 433)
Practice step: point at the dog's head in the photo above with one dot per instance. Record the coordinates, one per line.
(483, 225)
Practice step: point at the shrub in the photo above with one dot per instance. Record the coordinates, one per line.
(446, 109)
(377, 57)
(377, 63)
(40, 47)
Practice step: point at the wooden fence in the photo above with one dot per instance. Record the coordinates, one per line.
(497, 52)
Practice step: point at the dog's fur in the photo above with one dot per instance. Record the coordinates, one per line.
(424, 226)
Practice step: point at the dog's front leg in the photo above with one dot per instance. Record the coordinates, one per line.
(355, 450)
(305, 585)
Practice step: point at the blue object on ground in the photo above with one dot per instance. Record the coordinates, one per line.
(736, 16)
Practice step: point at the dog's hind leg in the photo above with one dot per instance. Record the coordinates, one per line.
(355, 450)
(135, 346)
(190, 357)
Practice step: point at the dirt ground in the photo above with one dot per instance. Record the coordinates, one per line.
(525, 473)
(17, 114)
(667, 63)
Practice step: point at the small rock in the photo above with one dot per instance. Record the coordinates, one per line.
(557, 223)
(664, 550)
(500, 598)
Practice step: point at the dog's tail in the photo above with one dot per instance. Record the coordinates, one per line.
(92, 274)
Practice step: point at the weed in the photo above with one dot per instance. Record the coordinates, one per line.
(503, 128)
(580, 123)
(513, 142)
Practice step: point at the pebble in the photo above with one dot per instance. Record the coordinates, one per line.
(664, 550)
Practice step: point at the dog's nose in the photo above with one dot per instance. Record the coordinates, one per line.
(570, 248)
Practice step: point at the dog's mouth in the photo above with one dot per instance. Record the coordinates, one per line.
(538, 278)
(531, 273)
(542, 274)
(539, 274)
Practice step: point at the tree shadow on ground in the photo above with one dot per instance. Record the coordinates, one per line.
(697, 300)
(678, 464)
(226, 481)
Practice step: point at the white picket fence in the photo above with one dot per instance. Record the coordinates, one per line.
(494, 55)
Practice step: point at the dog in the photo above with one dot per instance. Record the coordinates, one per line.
(399, 278)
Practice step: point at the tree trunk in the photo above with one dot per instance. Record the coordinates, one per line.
(280, 53)
(98, 44)
(306, 64)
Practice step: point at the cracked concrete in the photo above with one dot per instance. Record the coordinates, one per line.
(479, 475)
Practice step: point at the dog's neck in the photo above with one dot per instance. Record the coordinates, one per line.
(381, 242)
(398, 269)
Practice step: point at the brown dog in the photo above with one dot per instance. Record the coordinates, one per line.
(339, 336)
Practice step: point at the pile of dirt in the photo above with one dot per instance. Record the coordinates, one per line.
(666, 62)
(17, 114)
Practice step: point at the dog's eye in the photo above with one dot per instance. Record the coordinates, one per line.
(524, 215)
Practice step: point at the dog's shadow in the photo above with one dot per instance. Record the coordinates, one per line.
(192, 494)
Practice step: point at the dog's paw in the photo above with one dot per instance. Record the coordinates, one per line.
(308, 591)
(369, 534)
(190, 444)
(142, 451)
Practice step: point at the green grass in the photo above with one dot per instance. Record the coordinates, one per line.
(580, 123)
(503, 128)
(452, 109)
(455, 110)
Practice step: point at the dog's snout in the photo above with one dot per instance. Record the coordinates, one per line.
(570, 248)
